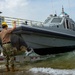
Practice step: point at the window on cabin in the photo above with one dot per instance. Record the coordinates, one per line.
(64, 24)
(47, 20)
(72, 26)
(56, 20)
(67, 23)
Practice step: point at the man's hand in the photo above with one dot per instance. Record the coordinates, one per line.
(14, 22)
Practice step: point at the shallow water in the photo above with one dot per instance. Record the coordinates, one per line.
(59, 64)
(53, 71)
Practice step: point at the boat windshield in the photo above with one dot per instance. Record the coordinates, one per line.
(56, 20)
(47, 20)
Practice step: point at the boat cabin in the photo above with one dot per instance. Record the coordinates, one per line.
(61, 21)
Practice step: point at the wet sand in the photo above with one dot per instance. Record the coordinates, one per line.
(55, 62)
(22, 71)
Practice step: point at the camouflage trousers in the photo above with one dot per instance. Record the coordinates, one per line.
(9, 53)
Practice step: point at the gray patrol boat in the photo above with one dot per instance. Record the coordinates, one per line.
(55, 35)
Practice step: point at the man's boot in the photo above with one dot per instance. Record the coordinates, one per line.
(7, 68)
(13, 69)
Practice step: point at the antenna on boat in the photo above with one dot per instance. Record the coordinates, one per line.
(63, 14)
(55, 14)
(52, 6)
(69, 6)
(62, 9)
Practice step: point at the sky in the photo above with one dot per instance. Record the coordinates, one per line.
(37, 10)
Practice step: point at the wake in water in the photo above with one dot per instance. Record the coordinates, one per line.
(59, 64)
(51, 71)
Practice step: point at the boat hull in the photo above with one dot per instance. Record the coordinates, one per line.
(48, 42)
(54, 50)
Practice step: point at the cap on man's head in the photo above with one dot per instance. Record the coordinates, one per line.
(4, 24)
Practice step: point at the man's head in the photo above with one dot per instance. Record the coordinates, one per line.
(4, 25)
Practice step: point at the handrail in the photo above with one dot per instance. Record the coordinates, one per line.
(20, 21)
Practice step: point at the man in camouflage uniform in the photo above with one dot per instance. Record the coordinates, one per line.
(8, 50)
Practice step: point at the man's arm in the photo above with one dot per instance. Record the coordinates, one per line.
(14, 27)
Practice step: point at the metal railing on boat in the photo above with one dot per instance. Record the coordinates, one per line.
(19, 21)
